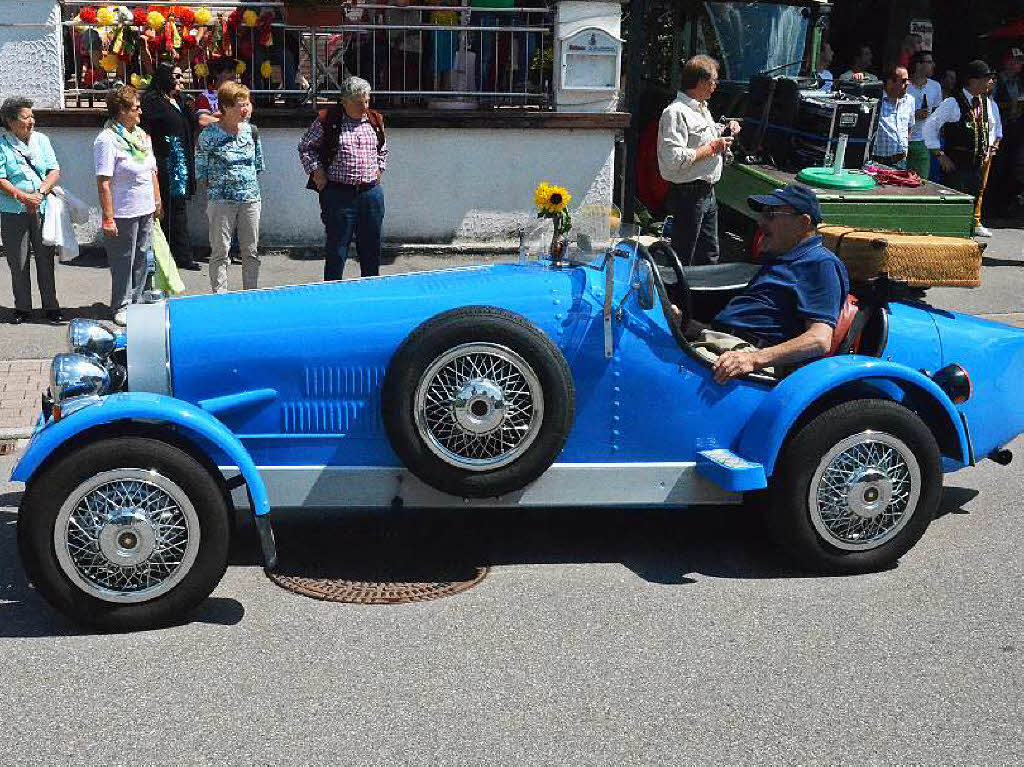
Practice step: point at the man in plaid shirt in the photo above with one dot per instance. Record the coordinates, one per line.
(895, 120)
(345, 152)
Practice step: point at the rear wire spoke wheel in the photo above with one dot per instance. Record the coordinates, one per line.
(477, 402)
(856, 487)
(124, 533)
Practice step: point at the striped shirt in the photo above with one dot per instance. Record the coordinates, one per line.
(357, 161)
(895, 119)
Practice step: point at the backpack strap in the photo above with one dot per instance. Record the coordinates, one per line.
(377, 121)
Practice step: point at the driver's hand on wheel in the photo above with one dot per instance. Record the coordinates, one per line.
(734, 364)
(677, 314)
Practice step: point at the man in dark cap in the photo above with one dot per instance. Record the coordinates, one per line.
(787, 313)
(961, 133)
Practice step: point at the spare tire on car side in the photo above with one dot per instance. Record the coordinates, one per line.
(478, 402)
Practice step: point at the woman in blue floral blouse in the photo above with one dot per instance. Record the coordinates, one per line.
(228, 158)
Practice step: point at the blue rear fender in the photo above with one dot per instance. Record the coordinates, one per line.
(149, 408)
(834, 379)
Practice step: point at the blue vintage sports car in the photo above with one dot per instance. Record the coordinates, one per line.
(522, 384)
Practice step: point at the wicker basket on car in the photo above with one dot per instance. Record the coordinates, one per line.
(919, 260)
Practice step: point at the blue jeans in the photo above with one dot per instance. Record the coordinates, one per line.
(346, 212)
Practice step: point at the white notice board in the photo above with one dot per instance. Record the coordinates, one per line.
(590, 61)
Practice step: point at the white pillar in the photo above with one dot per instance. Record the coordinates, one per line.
(570, 17)
(32, 52)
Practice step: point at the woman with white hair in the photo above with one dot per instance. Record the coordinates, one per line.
(345, 152)
(28, 172)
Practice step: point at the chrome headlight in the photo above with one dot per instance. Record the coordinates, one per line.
(90, 337)
(75, 375)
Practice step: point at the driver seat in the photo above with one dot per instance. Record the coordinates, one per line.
(851, 321)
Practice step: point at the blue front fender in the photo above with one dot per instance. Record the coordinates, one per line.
(148, 408)
(762, 437)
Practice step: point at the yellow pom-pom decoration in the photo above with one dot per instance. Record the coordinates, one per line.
(155, 19)
(240, 68)
(201, 69)
(266, 69)
(106, 16)
(203, 17)
(136, 81)
(249, 18)
(109, 62)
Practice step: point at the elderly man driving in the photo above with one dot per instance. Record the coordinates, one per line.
(787, 313)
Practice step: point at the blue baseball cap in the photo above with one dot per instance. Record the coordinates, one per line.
(800, 198)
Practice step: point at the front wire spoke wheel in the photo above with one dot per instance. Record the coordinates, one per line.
(479, 406)
(127, 535)
(864, 491)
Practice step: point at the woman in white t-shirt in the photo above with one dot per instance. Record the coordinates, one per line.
(129, 197)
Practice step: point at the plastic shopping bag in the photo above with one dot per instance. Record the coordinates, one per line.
(58, 231)
(166, 278)
(78, 209)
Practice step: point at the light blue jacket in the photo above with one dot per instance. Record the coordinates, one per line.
(16, 163)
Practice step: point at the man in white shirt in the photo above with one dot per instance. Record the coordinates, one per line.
(967, 125)
(927, 95)
(690, 149)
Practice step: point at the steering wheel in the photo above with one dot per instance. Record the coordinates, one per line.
(680, 294)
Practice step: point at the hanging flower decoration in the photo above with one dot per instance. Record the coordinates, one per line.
(240, 68)
(203, 17)
(109, 62)
(106, 16)
(234, 17)
(184, 15)
(249, 18)
(155, 20)
(266, 32)
(552, 202)
(266, 70)
(201, 69)
(136, 81)
(139, 16)
(87, 15)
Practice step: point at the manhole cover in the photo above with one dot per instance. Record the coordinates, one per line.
(374, 592)
(376, 560)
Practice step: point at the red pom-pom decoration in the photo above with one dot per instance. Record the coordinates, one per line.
(88, 15)
(235, 17)
(185, 15)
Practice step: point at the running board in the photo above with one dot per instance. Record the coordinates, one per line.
(730, 471)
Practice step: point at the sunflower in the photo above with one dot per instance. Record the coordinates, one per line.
(551, 198)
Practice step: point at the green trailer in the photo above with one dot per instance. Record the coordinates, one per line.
(927, 209)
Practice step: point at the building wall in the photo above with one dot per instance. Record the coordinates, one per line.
(31, 52)
(442, 185)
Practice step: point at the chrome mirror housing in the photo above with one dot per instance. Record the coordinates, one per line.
(90, 337)
(75, 375)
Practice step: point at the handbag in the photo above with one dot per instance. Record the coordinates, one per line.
(79, 210)
(166, 278)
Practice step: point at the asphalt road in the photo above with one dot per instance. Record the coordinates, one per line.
(599, 637)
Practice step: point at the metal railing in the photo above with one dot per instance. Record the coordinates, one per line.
(437, 56)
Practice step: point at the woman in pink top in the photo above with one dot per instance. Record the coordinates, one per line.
(129, 197)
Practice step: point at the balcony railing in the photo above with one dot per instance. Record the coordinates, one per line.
(413, 55)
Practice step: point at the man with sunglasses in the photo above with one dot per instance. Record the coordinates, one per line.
(895, 120)
(927, 95)
(787, 314)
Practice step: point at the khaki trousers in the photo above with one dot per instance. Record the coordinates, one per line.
(225, 219)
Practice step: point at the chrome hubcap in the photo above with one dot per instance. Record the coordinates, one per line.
(864, 491)
(127, 535)
(479, 406)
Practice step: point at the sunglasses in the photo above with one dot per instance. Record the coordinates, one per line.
(177, 75)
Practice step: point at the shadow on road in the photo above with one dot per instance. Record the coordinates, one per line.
(671, 547)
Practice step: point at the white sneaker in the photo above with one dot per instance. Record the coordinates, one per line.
(981, 231)
(121, 318)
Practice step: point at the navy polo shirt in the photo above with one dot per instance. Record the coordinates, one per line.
(807, 284)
